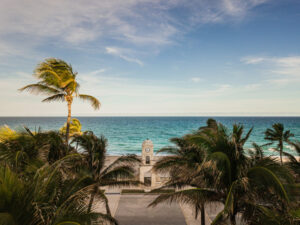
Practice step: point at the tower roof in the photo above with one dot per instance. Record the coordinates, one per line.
(148, 143)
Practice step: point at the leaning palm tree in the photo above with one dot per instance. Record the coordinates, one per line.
(279, 135)
(120, 172)
(57, 79)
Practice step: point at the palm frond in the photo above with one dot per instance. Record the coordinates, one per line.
(267, 178)
(190, 196)
(222, 162)
(120, 172)
(40, 88)
(94, 101)
(126, 160)
(57, 97)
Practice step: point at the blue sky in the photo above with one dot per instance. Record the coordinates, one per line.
(156, 57)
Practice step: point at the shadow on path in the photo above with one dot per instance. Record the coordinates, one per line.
(133, 210)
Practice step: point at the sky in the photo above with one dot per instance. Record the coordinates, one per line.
(156, 57)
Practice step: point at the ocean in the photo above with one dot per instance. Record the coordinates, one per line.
(126, 134)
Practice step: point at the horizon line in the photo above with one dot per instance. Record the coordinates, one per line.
(159, 115)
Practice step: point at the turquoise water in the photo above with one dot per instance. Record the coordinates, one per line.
(126, 134)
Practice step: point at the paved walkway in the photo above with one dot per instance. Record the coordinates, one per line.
(133, 210)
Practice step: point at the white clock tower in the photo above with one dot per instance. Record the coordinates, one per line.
(147, 176)
(147, 152)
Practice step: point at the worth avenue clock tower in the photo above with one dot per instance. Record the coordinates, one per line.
(147, 152)
(147, 176)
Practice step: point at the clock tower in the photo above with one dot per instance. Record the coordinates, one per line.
(147, 152)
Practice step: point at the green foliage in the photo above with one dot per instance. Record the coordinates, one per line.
(75, 127)
(54, 183)
(212, 165)
(26, 151)
(6, 132)
(47, 200)
(133, 191)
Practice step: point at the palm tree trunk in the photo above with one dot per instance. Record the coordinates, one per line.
(107, 208)
(202, 214)
(281, 150)
(68, 122)
(93, 194)
(232, 219)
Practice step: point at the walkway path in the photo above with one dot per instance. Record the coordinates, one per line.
(133, 210)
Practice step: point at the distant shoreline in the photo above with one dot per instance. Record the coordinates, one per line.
(114, 157)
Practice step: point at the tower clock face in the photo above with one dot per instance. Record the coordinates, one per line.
(147, 149)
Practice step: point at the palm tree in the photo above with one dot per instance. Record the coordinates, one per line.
(48, 198)
(97, 173)
(242, 182)
(57, 79)
(191, 173)
(277, 134)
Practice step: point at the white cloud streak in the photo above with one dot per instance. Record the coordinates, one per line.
(139, 22)
(284, 70)
(196, 79)
(123, 54)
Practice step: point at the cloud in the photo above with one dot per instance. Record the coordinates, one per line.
(284, 70)
(196, 79)
(147, 26)
(240, 7)
(252, 87)
(124, 54)
(140, 22)
(252, 60)
(289, 61)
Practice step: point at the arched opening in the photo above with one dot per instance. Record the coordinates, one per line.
(147, 159)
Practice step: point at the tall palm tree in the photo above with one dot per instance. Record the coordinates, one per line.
(121, 172)
(279, 135)
(57, 79)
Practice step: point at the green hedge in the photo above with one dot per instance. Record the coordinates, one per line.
(133, 191)
(161, 191)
